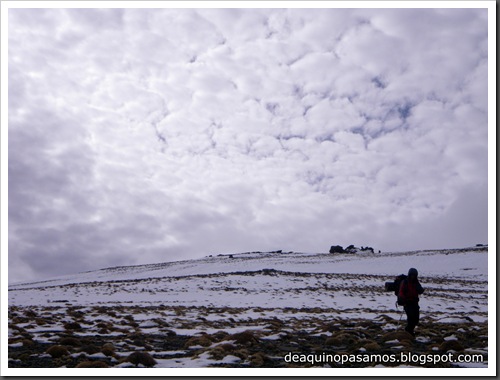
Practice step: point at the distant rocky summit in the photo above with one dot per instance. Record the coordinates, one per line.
(350, 249)
(336, 249)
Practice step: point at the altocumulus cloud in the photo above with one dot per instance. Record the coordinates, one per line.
(141, 135)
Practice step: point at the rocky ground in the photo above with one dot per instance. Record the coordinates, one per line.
(68, 336)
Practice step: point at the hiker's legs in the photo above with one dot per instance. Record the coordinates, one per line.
(412, 317)
(410, 321)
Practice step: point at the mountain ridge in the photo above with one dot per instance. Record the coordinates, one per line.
(247, 255)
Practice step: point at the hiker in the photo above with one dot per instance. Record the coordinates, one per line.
(408, 296)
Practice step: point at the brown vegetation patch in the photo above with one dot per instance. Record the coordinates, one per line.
(70, 341)
(227, 347)
(30, 314)
(218, 353)
(372, 347)
(90, 349)
(399, 335)
(57, 351)
(451, 345)
(140, 357)
(342, 339)
(245, 337)
(108, 351)
(198, 341)
(28, 343)
(103, 325)
(41, 321)
(92, 364)
(72, 326)
(242, 353)
(258, 359)
(221, 351)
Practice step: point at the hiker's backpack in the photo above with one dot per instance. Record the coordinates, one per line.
(396, 285)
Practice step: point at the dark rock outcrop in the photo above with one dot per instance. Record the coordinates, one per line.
(336, 249)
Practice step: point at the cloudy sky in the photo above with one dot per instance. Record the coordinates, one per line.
(140, 136)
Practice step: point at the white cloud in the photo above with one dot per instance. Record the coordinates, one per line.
(150, 135)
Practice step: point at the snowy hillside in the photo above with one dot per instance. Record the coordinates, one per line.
(249, 310)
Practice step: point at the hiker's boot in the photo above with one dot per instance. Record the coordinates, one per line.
(411, 331)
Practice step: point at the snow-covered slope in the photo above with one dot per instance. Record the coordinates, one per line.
(269, 279)
(458, 263)
(299, 290)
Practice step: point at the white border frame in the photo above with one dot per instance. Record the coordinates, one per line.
(490, 371)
